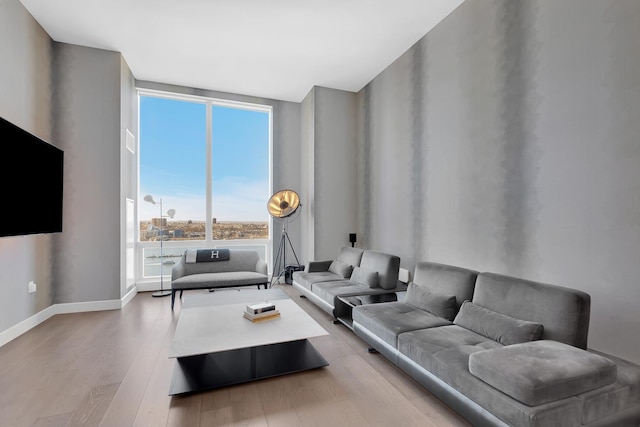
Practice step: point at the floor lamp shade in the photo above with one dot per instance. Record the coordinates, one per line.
(283, 204)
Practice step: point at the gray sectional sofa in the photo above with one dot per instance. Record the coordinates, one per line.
(354, 272)
(502, 351)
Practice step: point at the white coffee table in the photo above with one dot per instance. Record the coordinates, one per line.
(215, 346)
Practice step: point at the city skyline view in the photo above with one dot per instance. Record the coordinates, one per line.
(195, 230)
(173, 160)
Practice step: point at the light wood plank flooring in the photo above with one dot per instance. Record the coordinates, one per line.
(111, 368)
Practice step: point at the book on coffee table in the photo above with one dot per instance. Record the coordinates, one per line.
(261, 307)
(271, 314)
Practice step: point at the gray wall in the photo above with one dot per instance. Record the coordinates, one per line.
(87, 126)
(25, 100)
(334, 170)
(78, 99)
(507, 140)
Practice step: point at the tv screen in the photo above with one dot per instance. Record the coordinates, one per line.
(31, 177)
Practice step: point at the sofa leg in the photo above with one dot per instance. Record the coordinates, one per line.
(173, 298)
(303, 296)
(372, 350)
(335, 322)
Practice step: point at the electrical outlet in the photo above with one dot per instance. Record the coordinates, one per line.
(32, 287)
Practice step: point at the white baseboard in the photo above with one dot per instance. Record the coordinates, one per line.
(66, 308)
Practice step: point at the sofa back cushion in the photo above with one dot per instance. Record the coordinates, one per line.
(563, 312)
(351, 256)
(386, 265)
(440, 305)
(446, 280)
(499, 327)
(340, 268)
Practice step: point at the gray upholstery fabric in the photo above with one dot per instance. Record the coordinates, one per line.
(390, 319)
(451, 365)
(440, 305)
(244, 267)
(307, 280)
(421, 345)
(349, 255)
(340, 268)
(622, 394)
(365, 277)
(212, 280)
(499, 327)
(446, 280)
(563, 312)
(387, 266)
(542, 371)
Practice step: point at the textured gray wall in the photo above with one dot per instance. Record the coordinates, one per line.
(86, 117)
(25, 100)
(307, 222)
(508, 140)
(334, 169)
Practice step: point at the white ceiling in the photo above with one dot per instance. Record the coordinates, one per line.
(274, 49)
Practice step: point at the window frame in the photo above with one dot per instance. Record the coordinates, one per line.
(264, 246)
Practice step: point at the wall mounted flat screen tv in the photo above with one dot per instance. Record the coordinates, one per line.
(31, 177)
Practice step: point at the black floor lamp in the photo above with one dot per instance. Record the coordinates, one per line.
(282, 205)
(170, 214)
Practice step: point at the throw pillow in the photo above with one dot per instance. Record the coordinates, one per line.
(365, 277)
(497, 326)
(441, 305)
(341, 268)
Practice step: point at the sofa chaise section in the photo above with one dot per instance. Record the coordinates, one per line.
(533, 331)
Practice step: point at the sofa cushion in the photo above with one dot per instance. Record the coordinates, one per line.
(365, 277)
(441, 305)
(349, 255)
(497, 326)
(616, 397)
(420, 345)
(542, 371)
(451, 365)
(387, 266)
(340, 268)
(563, 311)
(390, 319)
(446, 280)
(221, 279)
(307, 280)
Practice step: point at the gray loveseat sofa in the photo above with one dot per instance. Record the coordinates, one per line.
(502, 351)
(217, 268)
(354, 272)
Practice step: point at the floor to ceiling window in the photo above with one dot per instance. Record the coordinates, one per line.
(204, 180)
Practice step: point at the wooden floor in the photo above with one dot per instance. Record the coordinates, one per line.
(111, 368)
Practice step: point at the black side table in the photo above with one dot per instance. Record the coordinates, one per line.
(345, 304)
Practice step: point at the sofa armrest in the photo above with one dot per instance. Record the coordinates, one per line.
(178, 269)
(261, 267)
(316, 266)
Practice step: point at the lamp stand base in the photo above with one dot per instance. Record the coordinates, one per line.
(161, 294)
